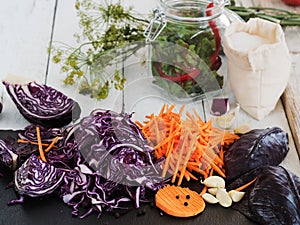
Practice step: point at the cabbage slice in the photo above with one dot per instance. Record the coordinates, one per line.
(42, 104)
(37, 178)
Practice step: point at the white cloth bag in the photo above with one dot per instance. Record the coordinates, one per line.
(259, 75)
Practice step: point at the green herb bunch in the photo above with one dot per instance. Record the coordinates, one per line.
(276, 15)
(103, 27)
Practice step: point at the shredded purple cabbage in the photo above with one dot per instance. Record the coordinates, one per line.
(63, 154)
(115, 148)
(116, 165)
(100, 164)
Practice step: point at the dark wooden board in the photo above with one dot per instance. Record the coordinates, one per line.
(50, 210)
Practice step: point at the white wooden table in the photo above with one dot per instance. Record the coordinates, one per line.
(28, 27)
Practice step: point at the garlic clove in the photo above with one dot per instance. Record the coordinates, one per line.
(214, 182)
(210, 198)
(213, 190)
(236, 196)
(242, 129)
(224, 198)
(226, 121)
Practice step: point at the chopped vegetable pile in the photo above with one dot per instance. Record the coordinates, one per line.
(60, 160)
(107, 162)
(189, 145)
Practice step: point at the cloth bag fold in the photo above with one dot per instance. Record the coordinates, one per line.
(259, 75)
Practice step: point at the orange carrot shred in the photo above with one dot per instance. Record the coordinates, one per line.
(51, 144)
(40, 147)
(189, 145)
(31, 142)
(245, 185)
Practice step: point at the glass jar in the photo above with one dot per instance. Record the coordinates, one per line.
(186, 39)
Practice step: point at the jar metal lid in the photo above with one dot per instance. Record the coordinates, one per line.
(191, 11)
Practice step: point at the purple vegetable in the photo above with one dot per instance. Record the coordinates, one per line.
(8, 158)
(115, 148)
(220, 106)
(116, 165)
(66, 153)
(47, 134)
(1, 102)
(100, 164)
(84, 188)
(43, 105)
(37, 178)
(274, 198)
(257, 148)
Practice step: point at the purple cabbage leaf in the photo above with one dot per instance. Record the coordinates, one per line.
(37, 178)
(42, 104)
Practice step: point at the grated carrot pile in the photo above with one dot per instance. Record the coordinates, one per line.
(191, 147)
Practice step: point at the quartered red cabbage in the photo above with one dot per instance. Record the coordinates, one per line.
(42, 104)
(8, 158)
(37, 178)
(257, 148)
(274, 198)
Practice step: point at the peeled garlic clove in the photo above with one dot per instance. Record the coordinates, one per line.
(213, 190)
(210, 198)
(242, 129)
(214, 182)
(226, 121)
(236, 196)
(224, 198)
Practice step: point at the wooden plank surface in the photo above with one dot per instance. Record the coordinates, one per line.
(25, 29)
(24, 36)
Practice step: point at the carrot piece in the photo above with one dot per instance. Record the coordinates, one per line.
(191, 175)
(187, 157)
(203, 191)
(181, 110)
(221, 154)
(31, 142)
(204, 173)
(38, 134)
(167, 133)
(217, 169)
(167, 161)
(246, 185)
(172, 200)
(179, 158)
(51, 144)
(162, 110)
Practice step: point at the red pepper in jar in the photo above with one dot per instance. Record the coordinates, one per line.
(215, 60)
(191, 75)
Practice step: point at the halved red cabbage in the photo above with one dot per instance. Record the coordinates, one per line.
(8, 158)
(42, 104)
(37, 178)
